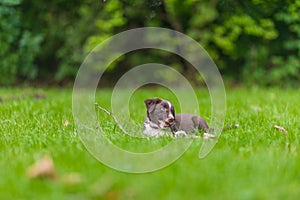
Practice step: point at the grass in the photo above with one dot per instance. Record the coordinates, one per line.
(254, 161)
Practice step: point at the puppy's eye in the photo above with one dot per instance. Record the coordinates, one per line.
(163, 109)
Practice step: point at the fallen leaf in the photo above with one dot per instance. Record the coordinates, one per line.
(38, 96)
(42, 168)
(280, 128)
(71, 178)
(67, 123)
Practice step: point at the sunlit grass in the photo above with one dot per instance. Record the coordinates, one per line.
(254, 161)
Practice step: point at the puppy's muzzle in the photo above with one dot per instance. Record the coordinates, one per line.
(170, 120)
(167, 122)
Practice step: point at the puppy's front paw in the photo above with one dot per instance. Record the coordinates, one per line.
(207, 136)
(180, 133)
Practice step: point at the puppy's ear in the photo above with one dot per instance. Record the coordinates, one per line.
(173, 111)
(149, 102)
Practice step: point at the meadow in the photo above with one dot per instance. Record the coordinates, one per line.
(253, 161)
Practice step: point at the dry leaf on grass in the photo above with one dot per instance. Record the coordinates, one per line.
(71, 178)
(280, 128)
(42, 168)
(67, 123)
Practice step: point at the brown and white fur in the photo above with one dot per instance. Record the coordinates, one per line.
(161, 120)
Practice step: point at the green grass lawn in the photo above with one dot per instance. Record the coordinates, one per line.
(254, 161)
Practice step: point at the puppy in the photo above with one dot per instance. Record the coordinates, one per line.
(161, 120)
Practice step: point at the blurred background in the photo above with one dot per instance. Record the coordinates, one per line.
(253, 42)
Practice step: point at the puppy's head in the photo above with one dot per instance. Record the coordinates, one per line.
(160, 112)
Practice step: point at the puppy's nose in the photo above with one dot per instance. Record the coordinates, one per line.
(170, 119)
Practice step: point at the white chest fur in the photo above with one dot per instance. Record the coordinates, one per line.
(152, 130)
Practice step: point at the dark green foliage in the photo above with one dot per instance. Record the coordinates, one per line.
(19, 46)
(253, 42)
(277, 61)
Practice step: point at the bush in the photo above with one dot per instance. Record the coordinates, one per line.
(18, 46)
(252, 42)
